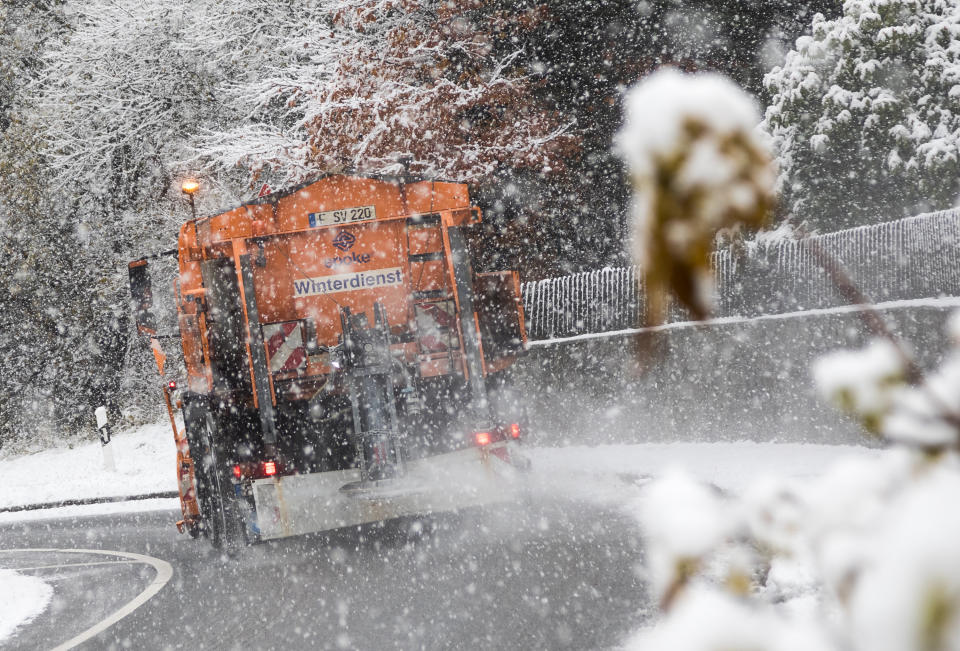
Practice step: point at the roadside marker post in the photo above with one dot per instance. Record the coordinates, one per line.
(103, 427)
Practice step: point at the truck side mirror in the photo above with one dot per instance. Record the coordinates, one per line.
(142, 293)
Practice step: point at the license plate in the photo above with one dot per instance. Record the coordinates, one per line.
(343, 216)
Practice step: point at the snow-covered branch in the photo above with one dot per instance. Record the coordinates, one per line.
(863, 114)
(863, 557)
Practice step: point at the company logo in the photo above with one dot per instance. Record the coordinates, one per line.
(344, 241)
(350, 258)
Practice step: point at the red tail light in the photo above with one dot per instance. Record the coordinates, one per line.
(172, 385)
(257, 470)
(483, 438)
(515, 430)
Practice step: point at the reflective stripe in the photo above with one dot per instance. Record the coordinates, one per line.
(285, 346)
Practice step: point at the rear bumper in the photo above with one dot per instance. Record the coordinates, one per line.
(299, 504)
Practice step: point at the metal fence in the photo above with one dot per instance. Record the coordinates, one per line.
(915, 257)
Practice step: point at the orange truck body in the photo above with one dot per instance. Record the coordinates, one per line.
(267, 292)
(310, 270)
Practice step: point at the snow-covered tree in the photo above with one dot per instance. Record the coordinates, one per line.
(862, 558)
(141, 92)
(124, 97)
(384, 85)
(864, 113)
(24, 27)
(38, 295)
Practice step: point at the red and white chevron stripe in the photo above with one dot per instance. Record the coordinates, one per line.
(285, 346)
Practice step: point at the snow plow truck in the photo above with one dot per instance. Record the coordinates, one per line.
(344, 362)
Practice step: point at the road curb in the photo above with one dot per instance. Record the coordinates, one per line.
(89, 500)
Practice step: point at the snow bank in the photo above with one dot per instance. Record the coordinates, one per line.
(21, 600)
(728, 466)
(145, 462)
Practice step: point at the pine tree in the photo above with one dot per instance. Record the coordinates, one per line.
(863, 113)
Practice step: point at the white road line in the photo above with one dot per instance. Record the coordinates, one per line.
(164, 572)
(50, 567)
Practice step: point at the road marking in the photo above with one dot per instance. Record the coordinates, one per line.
(164, 572)
(50, 567)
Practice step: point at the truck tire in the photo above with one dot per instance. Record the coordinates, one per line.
(195, 411)
(223, 517)
(194, 530)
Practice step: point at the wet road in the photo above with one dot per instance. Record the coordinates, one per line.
(552, 574)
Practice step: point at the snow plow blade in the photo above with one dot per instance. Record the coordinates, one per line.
(301, 504)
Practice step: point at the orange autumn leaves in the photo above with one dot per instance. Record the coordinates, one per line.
(424, 82)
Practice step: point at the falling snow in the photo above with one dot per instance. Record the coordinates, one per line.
(726, 437)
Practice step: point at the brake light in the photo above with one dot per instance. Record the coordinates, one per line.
(237, 472)
(172, 385)
(515, 430)
(269, 468)
(483, 438)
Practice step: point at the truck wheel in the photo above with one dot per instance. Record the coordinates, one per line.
(222, 516)
(195, 413)
(228, 532)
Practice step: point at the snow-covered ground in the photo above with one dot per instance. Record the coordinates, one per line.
(22, 598)
(729, 466)
(145, 462)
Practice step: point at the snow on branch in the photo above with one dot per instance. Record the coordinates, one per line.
(697, 166)
(417, 80)
(862, 557)
(863, 114)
